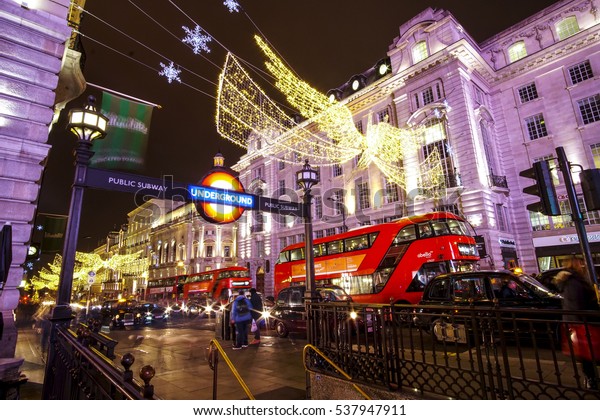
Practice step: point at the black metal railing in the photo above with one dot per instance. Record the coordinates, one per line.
(82, 368)
(459, 353)
(498, 181)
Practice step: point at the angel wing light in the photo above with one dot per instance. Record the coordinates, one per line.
(329, 137)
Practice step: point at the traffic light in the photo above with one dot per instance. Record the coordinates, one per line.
(543, 188)
(590, 186)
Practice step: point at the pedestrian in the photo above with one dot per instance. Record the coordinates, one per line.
(579, 294)
(257, 310)
(241, 316)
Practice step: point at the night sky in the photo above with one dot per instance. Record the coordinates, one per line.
(326, 42)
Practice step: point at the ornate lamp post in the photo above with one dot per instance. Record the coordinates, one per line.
(307, 178)
(87, 124)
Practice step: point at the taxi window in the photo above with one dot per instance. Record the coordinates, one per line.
(466, 288)
(282, 297)
(296, 297)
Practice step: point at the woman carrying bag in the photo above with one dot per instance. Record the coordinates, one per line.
(582, 332)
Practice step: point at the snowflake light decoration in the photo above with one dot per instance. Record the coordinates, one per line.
(197, 40)
(232, 5)
(170, 72)
(39, 227)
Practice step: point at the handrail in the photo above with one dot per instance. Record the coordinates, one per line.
(216, 344)
(332, 363)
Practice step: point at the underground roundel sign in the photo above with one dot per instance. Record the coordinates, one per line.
(220, 197)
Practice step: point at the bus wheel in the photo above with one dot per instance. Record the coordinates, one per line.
(281, 329)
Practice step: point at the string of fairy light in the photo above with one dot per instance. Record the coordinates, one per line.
(48, 277)
(245, 113)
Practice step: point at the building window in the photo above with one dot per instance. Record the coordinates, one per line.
(359, 126)
(567, 27)
(337, 170)
(363, 195)
(330, 231)
(596, 154)
(428, 95)
(318, 207)
(281, 165)
(517, 51)
(420, 52)
(209, 251)
(436, 142)
(282, 185)
(319, 233)
(580, 72)
(356, 160)
(528, 93)
(589, 109)
(591, 217)
(282, 242)
(257, 173)
(391, 191)
(501, 218)
(227, 251)
(383, 116)
(488, 148)
(536, 126)
(479, 95)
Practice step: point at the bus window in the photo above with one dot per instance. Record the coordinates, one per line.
(283, 257)
(407, 234)
(372, 238)
(319, 250)
(457, 227)
(356, 243)
(425, 230)
(440, 228)
(335, 247)
(296, 254)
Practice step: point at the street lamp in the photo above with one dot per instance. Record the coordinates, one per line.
(307, 178)
(87, 124)
(341, 207)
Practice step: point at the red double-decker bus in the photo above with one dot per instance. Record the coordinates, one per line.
(163, 289)
(216, 285)
(386, 263)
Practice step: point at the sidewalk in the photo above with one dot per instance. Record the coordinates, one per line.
(272, 371)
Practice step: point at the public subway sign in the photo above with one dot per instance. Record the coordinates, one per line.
(145, 186)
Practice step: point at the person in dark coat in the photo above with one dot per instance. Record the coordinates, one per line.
(257, 310)
(241, 319)
(578, 293)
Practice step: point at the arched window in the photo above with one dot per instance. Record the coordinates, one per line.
(517, 51)
(567, 27)
(488, 148)
(419, 52)
(172, 254)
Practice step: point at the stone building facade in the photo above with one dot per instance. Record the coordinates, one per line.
(490, 110)
(38, 74)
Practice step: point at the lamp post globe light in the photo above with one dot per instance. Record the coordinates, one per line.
(307, 178)
(87, 124)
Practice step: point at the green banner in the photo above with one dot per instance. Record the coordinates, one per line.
(124, 147)
(54, 233)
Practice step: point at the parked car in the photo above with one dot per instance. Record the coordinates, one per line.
(288, 315)
(482, 291)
